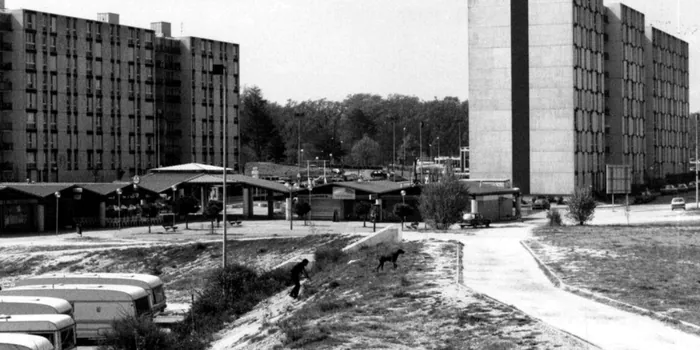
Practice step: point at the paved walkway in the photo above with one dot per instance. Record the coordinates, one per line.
(497, 265)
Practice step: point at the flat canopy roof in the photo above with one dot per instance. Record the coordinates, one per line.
(191, 168)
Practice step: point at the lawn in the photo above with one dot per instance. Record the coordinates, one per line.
(656, 267)
(417, 306)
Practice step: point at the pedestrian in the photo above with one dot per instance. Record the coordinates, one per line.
(297, 270)
(79, 227)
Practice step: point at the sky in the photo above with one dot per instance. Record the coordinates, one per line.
(312, 49)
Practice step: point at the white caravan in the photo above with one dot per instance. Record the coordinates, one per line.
(59, 330)
(14, 305)
(152, 284)
(94, 306)
(23, 341)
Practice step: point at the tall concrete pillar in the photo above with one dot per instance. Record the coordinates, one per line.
(247, 203)
(270, 204)
(518, 211)
(475, 206)
(103, 214)
(39, 218)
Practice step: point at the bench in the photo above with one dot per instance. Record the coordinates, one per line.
(412, 226)
(169, 228)
(235, 223)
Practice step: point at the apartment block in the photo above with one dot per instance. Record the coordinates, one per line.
(193, 99)
(83, 100)
(625, 70)
(558, 89)
(668, 110)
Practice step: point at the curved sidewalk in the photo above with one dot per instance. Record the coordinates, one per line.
(497, 265)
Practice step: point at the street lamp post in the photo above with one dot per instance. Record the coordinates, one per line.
(220, 69)
(58, 195)
(697, 203)
(174, 188)
(119, 205)
(438, 145)
(300, 151)
(403, 163)
(289, 207)
(403, 200)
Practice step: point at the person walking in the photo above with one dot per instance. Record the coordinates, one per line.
(297, 270)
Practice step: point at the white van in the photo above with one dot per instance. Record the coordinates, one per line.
(152, 284)
(14, 305)
(59, 330)
(94, 306)
(22, 341)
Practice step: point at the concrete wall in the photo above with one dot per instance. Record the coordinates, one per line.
(391, 234)
(490, 91)
(551, 96)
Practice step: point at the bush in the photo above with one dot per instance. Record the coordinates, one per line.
(325, 256)
(362, 209)
(137, 333)
(444, 202)
(301, 209)
(554, 217)
(402, 210)
(582, 206)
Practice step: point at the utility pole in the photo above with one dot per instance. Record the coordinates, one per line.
(403, 164)
(697, 203)
(393, 161)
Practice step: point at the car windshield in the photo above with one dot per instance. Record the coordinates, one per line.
(678, 200)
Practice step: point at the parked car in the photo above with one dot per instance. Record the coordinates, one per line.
(645, 197)
(669, 189)
(682, 188)
(540, 203)
(691, 185)
(474, 220)
(678, 203)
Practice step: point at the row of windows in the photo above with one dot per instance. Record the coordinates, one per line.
(590, 162)
(633, 72)
(588, 39)
(670, 60)
(664, 106)
(633, 54)
(633, 145)
(633, 126)
(588, 121)
(632, 18)
(633, 108)
(667, 42)
(587, 80)
(633, 36)
(632, 90)
(670, 75)
(589, 18)
(589, 101)
(588, 60)
(589, 142)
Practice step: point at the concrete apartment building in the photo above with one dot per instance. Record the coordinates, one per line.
(625, 140)
(79, 100)
(557, 91)
(667, 104)
(191, 99)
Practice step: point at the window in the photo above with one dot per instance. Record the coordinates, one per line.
(31, 60)
(31, 119)
(31, 80)
(30, 38)
(53, 26)
(31, 140)
(31, 158)
(31, 101)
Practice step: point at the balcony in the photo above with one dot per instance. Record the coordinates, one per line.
(30, 46)
(88, 54)
(6, 66)
(5, 46)
(31, 127)
(148, 45)
(149, 97)
(5, 106)
(88, 36)
(148, 61)
(31, 146)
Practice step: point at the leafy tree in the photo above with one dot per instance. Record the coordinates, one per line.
(582, 205)
(402, 210)
(150, 211)
(365, 152)
(259, 131)
(302, 209)
(362, 209)
(358, 124)
(443, 202)
(212, 212)
(186, 205)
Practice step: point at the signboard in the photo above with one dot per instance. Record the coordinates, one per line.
(618, 179)
(343, 193)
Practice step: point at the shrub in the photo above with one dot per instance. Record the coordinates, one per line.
(328, 255)
(402, 210)
(443, 202)
(554, 217)
(212, 211)
(301, 209)
(185, 206)
(137, 333)
(582, 205)
(363, 209)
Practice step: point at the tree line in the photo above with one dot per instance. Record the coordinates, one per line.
(362, 130)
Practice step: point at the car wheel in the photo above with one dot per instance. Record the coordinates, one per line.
(487, 225)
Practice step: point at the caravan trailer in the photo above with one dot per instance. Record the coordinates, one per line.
(22, 341)
(20, 305)
(59, 330)
(152, 284)
(94, 306)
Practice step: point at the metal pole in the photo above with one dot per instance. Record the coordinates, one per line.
(420, 151)
(57, 197)
(696, 161)
(291, 210)
(225, 116)
(403, 164)
(393, 160)
(119, 212)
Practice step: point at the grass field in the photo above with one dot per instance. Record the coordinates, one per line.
(417, 306)
(656, 267)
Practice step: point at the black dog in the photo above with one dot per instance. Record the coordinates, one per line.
(393, 257)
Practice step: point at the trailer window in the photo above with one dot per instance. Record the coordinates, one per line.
(142, 306)
(158, 294)
(68, 338)
(48, 336)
